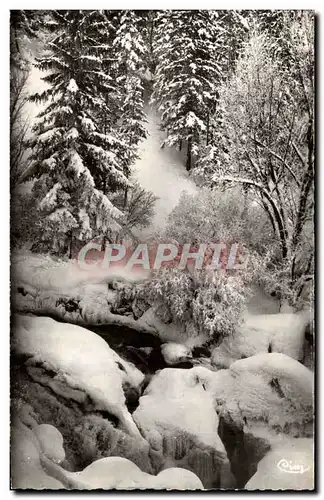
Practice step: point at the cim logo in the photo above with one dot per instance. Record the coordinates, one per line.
(291, 467)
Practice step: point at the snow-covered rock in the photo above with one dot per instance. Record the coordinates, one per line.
(177, 417)
(288, 466)
(271, 387)
(263, 333)
(51, 442)
(26, 468)
(174, 353)
(81, 360)
(46, 285)
(122, 474)
(257, 398)
(176, 478)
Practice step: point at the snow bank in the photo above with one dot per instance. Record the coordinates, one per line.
(264, 333)
(177, 478)
(44, 272)
(177, 417)
(120, 473)
(81, 359)
(288, 466)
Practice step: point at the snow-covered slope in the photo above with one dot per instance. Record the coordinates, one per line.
(81, 359)
(161, 171)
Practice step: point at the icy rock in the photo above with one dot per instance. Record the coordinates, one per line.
(288, 466)
(81, 360)
(263, 333)
(177, 417)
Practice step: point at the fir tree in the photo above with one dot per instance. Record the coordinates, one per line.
(187, 74)
(129, 50)
(77, 164)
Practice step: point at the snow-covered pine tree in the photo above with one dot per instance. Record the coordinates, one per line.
(130, 51)
(233, 30)
(188, 70)
(23, 28)
(75, 161)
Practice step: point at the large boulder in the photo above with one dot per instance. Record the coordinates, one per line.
(257, 398)
(64, 356)
(71, 379)
(176, 415)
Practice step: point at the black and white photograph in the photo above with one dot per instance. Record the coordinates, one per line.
(162, 250)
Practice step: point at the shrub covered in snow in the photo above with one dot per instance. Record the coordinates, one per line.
(202, 302)
(213, 215)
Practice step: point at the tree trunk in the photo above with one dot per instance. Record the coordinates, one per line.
(125, 196)
(188, 163)
(71, 245)
(207, 134)
(305, 189)
(103, 243)
(180, 145)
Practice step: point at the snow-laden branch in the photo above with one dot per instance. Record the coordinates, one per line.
(273, 153)
(273, 203)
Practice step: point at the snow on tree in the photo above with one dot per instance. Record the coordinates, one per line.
(187, 74)
(76, 162)
(23, 31)
(207, 303)
(23, 28)
(268, 139)
(130, 52)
